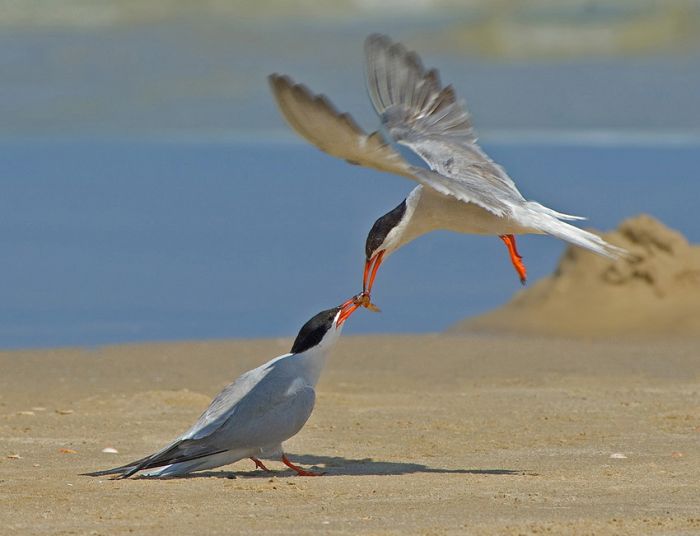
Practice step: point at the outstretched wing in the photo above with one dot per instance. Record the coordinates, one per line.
(315, 119)
(400, 88)
(429, 119)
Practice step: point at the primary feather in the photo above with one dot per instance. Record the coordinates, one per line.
(421, 114)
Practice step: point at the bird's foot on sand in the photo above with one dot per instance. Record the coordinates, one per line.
(299, 470)
(260, 465)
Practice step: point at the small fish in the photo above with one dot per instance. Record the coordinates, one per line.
(363, 299)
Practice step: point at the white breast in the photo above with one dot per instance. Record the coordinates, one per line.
(433, 211)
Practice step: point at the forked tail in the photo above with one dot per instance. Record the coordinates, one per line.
(550, 222)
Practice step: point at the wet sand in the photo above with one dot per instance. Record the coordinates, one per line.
(418, 435)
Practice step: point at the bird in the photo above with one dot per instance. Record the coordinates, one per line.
(462, 190)
(251, 417)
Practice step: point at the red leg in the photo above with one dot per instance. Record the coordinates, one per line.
(299, 470)
(515, 258)
(260, 465)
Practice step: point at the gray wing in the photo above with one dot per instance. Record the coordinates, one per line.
(269, 415)
(314, 118)
(253, 403)
(225, 404)
(274, 409)
(189, 445)
(422, 115)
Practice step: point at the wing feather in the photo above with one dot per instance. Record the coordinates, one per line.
(431, 121)
(407, 97)
(254, 411)
(315, 119)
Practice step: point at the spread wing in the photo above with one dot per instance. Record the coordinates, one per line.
(315, 119)
(429, 119)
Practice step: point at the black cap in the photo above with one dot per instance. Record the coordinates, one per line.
(314, 330)
(382, 227)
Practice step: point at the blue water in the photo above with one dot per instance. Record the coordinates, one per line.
(116, 241)
(112, 240)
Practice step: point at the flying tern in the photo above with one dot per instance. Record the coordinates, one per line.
(251, 417)
(463, 191)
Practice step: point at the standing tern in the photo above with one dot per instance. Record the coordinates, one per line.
(251, 417)
(463, 191)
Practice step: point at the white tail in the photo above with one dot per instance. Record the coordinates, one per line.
(584, 239)
(554, 213)
(549, 221)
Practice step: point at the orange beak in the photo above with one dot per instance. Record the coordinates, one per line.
(346, 309)
(371, 267)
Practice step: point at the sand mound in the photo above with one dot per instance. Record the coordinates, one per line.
(654, 293)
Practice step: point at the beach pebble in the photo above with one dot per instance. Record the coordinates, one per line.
(67, 451)
(26, 413)
(677, 454)
(14, 457)
(38, 408)
(110, 450)
(64, 411)
(618, 456)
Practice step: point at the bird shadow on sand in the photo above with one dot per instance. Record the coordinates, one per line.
(339, 466)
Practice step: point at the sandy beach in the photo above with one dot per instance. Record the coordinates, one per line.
(155, 190)
(430, 434)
